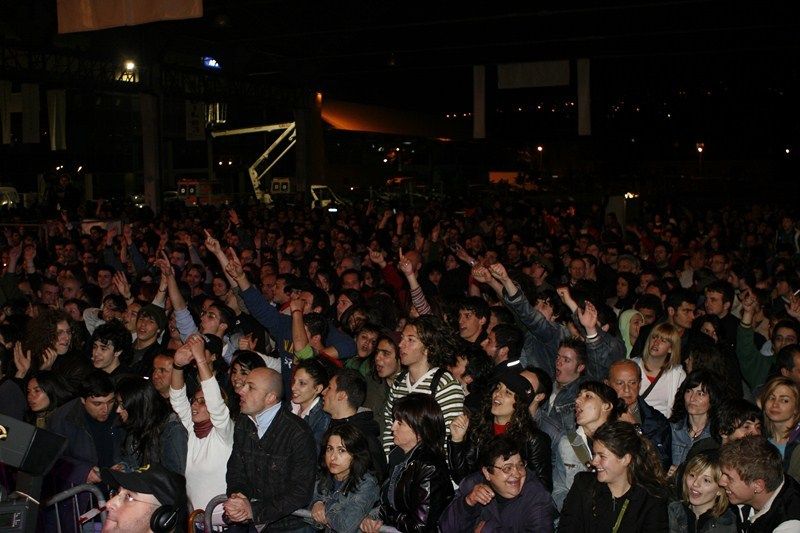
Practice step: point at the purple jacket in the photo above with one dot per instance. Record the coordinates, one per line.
(530, 512)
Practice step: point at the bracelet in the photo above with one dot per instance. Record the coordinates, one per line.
(297, 311)
(178, 367)
(592, 337)
(745, 324)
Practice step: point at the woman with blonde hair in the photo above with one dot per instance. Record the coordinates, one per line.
(703, 505)
(780, 400)
(661, 366)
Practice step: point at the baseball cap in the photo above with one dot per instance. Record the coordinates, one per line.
(213, 344)
(168, 487)
(521, 387)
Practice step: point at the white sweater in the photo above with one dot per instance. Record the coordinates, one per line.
(207, 458)
(663, 394)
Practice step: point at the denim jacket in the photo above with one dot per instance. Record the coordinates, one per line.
(345, 511)
(563, 408)
(682, 442)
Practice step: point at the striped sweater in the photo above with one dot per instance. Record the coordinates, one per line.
(449, 396)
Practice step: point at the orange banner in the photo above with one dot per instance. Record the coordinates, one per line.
(88, 15)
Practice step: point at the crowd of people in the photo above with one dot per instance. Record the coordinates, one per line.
(505, 366)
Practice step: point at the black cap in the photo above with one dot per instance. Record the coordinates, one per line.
(520, 386)
(168, 487)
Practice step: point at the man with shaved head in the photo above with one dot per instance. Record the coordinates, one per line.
(271, 446)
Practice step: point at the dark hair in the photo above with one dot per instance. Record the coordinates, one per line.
(96, 383)
(356, 445)
(117, 301)
(551, 297)
(678, 297)
(498, 446)
(788, 324)
(148, 412)
(511, 337)
(247, 359)
(423, 414)
(353, 384)
(734, 413)
(117, 335)
(785, 357)
(578, 346)
(714, 320)
(226, 314)
(476, 305)
(436, 338)
(520, 427)
(650, 301)
(479, 367)
(51, 385)
(621, 438)
(608, 395)
(502, 314)
(709, 383)
(315, 369)
(316, 324)
(545, 382)
(722, 287)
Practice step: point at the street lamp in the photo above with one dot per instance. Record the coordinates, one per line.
(540, 149)
(700, 148)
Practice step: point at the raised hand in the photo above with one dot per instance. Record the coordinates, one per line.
(22, 360)
(297, 304)
(233, 216)
(499, 272)
(48, 358)
(121, 283)
(183, 355)
(435, 232)
(588, 317)
(234, 266)
(405, 265)
(793, 307)
(376, 256)
(164, 265)
(212, 244)
(481, 274)
(110, 234)
(458, 427)
(127, 234)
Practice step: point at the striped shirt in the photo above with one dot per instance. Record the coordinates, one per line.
(449, 396)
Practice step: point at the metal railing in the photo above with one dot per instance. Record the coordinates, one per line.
(73, 493)
(222, 498)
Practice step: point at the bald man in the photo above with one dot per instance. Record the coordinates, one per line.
(272, 466)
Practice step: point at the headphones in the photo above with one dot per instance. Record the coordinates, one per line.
(164, 519)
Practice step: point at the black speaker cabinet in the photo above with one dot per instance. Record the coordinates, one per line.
(27, 447)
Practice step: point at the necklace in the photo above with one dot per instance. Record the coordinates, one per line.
(694, 433)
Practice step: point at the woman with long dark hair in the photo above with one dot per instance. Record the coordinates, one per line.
(504, 412)
(418, 487)
(694, 413)
(244, 361)
(626, 493)
(154, 433)
(44, 393)
(346, 487)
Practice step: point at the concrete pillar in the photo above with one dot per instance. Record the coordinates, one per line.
(151, 169)
(310, 148)
(584, 98)
(479, 102)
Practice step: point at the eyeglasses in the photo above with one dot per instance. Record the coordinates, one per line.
(127, 497)
(64, 333)
(198, 401)
(209, 314)
(509, 469)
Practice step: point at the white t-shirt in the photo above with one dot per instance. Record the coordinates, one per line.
(663, 394)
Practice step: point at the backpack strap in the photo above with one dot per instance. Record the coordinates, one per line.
(437, 377)
(579, 447)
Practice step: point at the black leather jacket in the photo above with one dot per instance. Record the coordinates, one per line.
(422, 491)
(537, 452)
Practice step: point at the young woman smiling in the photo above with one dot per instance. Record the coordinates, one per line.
(626, 494)
(504, 412)
(703, 507)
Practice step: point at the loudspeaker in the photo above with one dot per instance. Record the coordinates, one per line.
(28, 448)
(164, 519)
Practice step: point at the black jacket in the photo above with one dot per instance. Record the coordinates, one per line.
(537, 452)
(366, 424)
(589, 508)
(422, 491)
(786, 506)
(657, 429)
(277, 471)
